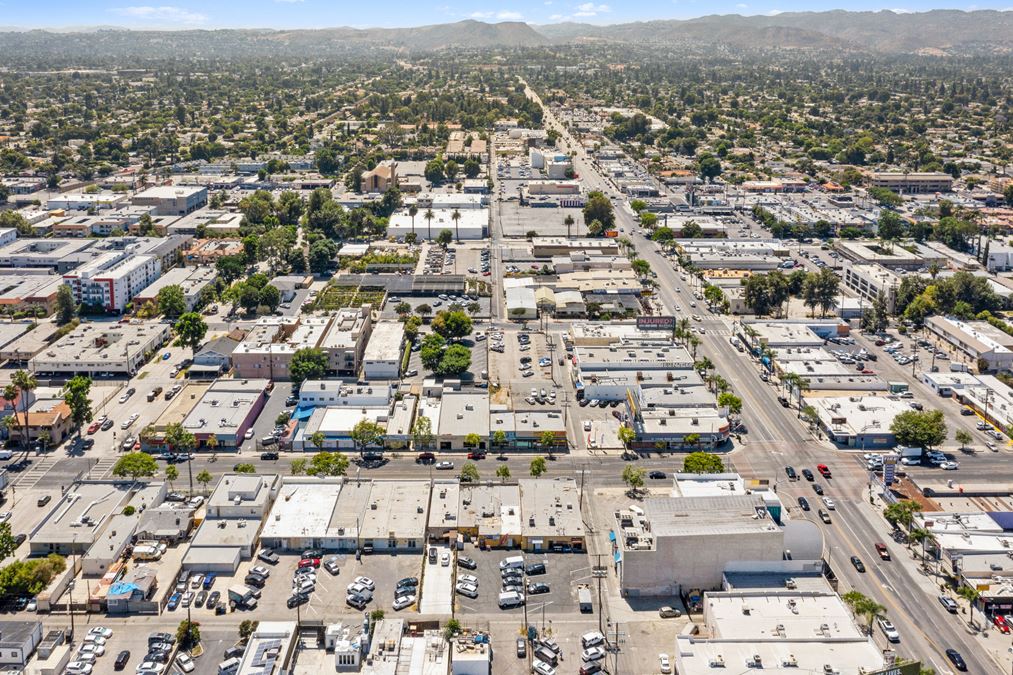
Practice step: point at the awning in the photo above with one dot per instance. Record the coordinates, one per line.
(618, 557)
(612, 536)
(302, 413)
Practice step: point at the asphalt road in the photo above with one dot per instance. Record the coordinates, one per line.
(776, 438)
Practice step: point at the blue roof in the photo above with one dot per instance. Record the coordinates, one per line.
(121, 587)
(302, 413)
(1003, 519)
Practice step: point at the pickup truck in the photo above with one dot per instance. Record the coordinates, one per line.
(881, 550)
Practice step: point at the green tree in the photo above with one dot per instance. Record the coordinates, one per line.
(599, 208)
(188, 634)
(191, 330)
(244, 467)
(367, 433)
(499, 439)
(308, 363)
(204, 478)
(451, 628)
(641, 267)
(422, 433)
(452, 325)
(692, 230)
(962, 437)
(76, 396)
(434, 171)
(230, 267)
(171, 301)
(431, 351)
(547, 441)
(444, 238)
(171, 474)
(328, 464)
(247, 628)
(472, 440)
(503, 472)
(456, 359)
(902, 513)
(135, 465)
(7, 543)
(626, 436)
(633, 477)
(66, 306)
(298, 466)
(469, 473)
(919, 428)
(709, 167)
(317, 440)
(730, 401)
(538, 466)
(702, 462)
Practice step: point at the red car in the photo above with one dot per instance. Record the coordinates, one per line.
(309, 562)
(824, 470)
(881, 550)
(93, 427)
(476, 454)
(1000, 622)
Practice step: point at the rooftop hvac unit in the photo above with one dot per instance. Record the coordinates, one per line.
(790, 662)
(717, 662)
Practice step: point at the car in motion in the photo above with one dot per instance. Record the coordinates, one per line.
(803, 503)
(858, 564)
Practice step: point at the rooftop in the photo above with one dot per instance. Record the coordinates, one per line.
(396, 509)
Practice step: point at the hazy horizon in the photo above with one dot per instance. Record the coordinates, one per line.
(316, 14)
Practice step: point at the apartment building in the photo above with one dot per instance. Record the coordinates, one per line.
(112, 279)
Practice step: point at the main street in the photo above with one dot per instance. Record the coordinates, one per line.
(776, 438)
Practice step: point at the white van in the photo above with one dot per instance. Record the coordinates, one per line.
(591, 639)
(228, 667)
(511, 562)
(510, 599)
(6, 454)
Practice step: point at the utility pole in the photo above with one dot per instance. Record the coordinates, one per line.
(600, 607)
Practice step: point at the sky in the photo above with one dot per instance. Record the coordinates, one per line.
(180, 14)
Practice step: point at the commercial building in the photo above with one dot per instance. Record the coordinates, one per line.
(395, 516)
(489, 514)
(912, 183)
(28, 292)
(172, 200)
(268, 348)
(270, 649)
(460, 415)
(191, 280)
(979, 342)
(381, 360)
(18, 640)
(79, 518)
(231, 528)
(760, 626)
(551, 514)
(100, 348)
(83, 201)
(112, 280)
(858, 421)
(868, 281)
(472, 224)
(226, 410)
(674, 544)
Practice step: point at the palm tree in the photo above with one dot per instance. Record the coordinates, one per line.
(413, 211)
(25, 382)
(918, 535)
(801, 386)
(456, 217)
(568, 221)
(429, 215)
(971, 595)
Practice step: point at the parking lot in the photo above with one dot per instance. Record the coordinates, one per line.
(563, 572)
(507, 367)
(438, 583)
(479, 358)
(516, 220)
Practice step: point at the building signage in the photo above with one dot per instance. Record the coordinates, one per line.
(656, 322)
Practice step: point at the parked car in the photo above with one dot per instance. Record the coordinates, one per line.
(466, 563)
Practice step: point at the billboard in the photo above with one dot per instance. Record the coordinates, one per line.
(656, 323)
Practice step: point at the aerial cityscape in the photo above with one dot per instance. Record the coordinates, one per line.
(555, 338)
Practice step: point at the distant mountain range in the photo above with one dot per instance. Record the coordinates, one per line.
(886, 32)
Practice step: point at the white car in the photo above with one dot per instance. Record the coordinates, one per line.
(261, 570)
(445, 559)
(185, 663)
(665, 663)
(357, 589)
(889, 631)
(5, 516)
(93, 639)
(78, 668)
(587, 425)
(249, 434)
(829, 503)
(86, 656)
(949, 466)
(365, 581)
(470, 590)
(542, 668)
(101, 631)
(467, 579)
(150, 666)
(125, 424)
(592, 654)
(402, 602)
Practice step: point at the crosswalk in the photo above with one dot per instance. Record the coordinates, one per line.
(102, 467)
(33, 475)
